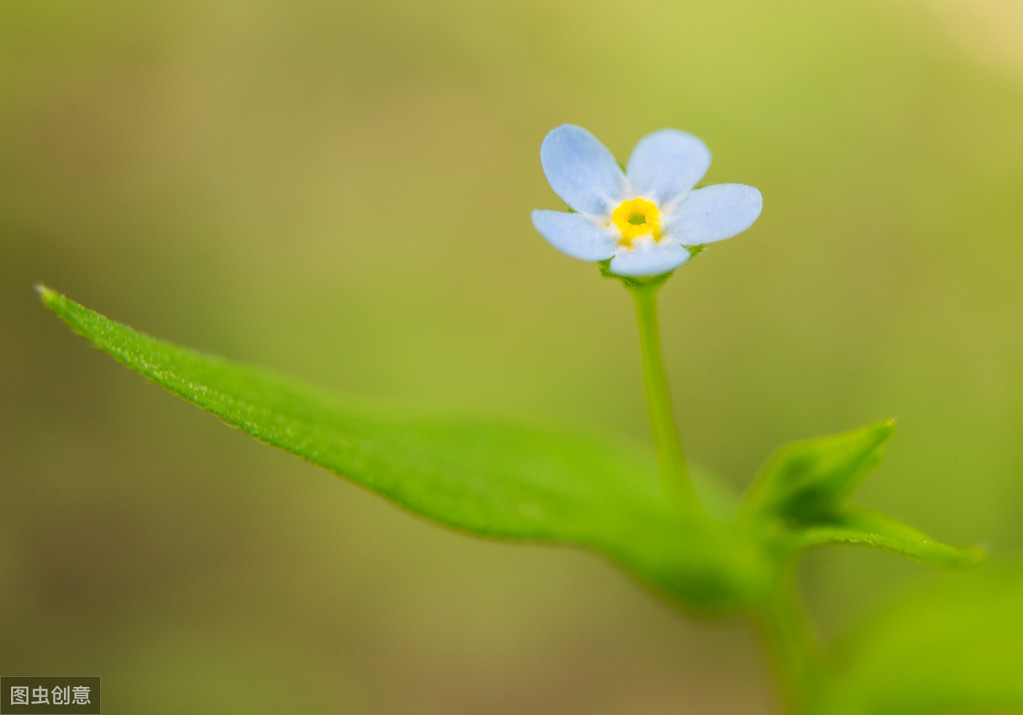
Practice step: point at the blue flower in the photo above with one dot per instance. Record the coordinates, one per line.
(647, 218)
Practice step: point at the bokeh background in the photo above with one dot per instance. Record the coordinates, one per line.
(342, 191)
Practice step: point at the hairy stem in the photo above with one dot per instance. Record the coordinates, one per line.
(674, 472)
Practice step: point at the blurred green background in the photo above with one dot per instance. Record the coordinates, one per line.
(342, 191)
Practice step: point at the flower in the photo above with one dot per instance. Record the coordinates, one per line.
(646, 219)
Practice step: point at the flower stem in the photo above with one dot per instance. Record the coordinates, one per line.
(674, 472)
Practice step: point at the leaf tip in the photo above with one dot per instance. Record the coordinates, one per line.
(973, 557)
(886, 428)
(47, 295)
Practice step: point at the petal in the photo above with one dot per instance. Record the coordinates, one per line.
(666, 164)
(576, 235)
(648, 258)
(714, 213)
(581, 171)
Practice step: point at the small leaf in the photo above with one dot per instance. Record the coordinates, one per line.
(859, 526)
(952, 647)
(799, 499)
(814, 477)
(483, 476)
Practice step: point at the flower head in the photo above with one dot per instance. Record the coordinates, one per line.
(646, 219)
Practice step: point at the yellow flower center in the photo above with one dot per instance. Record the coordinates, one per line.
(635, 218)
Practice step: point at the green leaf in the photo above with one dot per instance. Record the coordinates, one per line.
(808, 478)
(859, 526)
(952, 647)
(480, 475)
(799, 499)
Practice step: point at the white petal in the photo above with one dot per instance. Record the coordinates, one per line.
(666, 164)
(648, 258)
(582, 171)
(714, 213)
(576, 235)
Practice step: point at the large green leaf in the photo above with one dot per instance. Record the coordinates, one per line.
(483, 476)
(953, 647)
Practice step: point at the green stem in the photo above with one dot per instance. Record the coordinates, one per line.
(791, 644)
(780, 617)
(674, 472)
